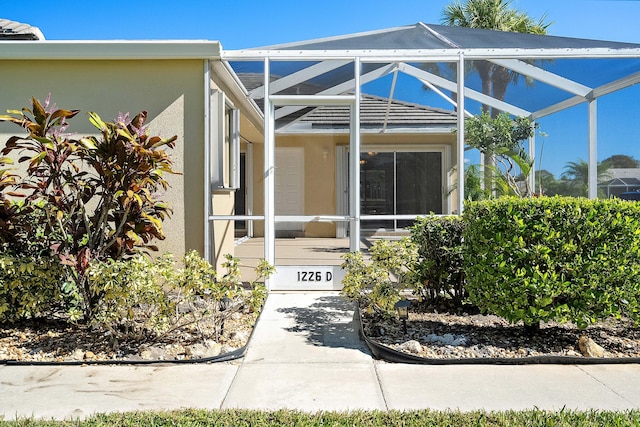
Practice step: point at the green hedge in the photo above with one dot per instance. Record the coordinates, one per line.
(562, 259)
(439, 268)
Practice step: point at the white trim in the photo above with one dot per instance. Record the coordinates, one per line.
(298, 77)
(605, 89)
(231, 84)
(343, 87)
(110, 49)
(543, 76)
(399, 217)
(560, 106)
(447, 202)
(593, 149)
(207, 163)
(342, 188)
(427, 55)
(234, 149)
(334, 38)
(418, 147)
(218, 129)
(354, 170)
(443, 96)
(462, 93)
(470, 93)
(283, 218)
(311, 100)
(269, 175)
(390, 100)
(236, 217)
(614, 86)
(248, 179)
(532, 155)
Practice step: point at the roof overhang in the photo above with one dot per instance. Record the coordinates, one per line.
(231, 84)
(110, 50)
(427, 55)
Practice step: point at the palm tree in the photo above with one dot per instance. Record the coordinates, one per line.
(492, 15)
(495, 15)
(577, 173)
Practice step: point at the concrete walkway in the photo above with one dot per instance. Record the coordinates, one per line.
(305, 354)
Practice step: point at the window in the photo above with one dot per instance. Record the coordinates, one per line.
(225, 155)
(399, 183)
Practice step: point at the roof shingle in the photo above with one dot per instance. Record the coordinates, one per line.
(11, 30)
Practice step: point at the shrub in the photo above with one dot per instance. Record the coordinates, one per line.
(560, 259)
(439, 269)
(97, 195)
(143, 297)
(33, 282)
(376, 285)
(29, 287)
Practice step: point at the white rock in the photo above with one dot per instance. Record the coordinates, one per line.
(412, 346)
(203, 351)
(153, 353)
(78, 354)
(239, 336)
(589, 348)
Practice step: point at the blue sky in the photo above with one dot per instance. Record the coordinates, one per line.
(238, 24)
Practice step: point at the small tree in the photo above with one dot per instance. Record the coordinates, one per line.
(503, 136)
(98, 194)
(621, 161)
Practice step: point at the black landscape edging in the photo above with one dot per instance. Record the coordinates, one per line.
(226, 357)
(383, 352)
(232, 355)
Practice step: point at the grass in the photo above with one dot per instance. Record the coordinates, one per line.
(240, 418)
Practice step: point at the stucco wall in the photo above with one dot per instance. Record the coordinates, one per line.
(170, 90)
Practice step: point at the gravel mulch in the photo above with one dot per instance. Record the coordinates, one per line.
(437, 333)
(59, 341)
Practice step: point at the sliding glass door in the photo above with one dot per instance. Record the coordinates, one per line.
(399, 183)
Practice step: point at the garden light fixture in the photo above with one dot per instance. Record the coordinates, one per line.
(402, 307)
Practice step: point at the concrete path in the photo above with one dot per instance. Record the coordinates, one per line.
(305, 354)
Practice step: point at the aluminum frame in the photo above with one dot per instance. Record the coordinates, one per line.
(398, 60)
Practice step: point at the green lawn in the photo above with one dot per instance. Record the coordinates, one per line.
(239, 418)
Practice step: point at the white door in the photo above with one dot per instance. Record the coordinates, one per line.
(289, 186)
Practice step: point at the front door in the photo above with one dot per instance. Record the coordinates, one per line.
(289, 186)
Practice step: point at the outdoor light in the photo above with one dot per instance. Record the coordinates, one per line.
(402, 307)
(225, 303)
